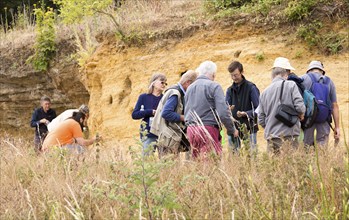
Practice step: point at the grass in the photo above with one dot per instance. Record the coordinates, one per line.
(112, 182)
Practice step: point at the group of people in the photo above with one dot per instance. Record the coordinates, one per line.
(188, 116)
(64, 130)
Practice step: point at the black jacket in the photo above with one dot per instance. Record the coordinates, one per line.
(39, 114)
(241, 97)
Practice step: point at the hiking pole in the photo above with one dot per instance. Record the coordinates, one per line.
(40, 139)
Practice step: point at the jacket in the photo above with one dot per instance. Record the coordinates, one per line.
(39, 114)
(205, 104)
(163, 128)
(244, 97)
(268, 104)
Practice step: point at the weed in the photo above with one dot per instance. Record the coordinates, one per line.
(298, 55)
(260, 56)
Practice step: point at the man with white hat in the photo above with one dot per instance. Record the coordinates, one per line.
(315, 77)
(275, 131)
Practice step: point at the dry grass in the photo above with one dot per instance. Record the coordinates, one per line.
(115, 183)
(139, 16)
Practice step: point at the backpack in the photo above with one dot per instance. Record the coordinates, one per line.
(321, 93)
(311, 109)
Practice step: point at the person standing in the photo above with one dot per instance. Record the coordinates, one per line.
(316, 74)
(41, 117)
(145, 109)
(276, 132)
(205, 110)
(243, 99)
(168, 123)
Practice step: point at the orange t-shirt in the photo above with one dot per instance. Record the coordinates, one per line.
(63, 134)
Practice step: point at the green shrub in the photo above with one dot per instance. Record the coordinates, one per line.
(264, 6)
(299, 9)
(217, 5)
(45, 46)
(260, 56)
(332, 43)
(329, 43)
(309, 32)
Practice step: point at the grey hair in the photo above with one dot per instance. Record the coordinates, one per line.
(207, 68)
(190, 75)
(278, 71)
(45, 99)
(154, 77)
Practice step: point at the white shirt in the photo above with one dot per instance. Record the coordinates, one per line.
(63, 116)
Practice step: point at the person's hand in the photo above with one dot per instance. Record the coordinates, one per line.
(236, 133)
(337, 134)
(154, 111)
(44, 121)
(241, 114)
(301, 117)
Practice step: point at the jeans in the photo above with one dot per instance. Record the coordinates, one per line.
(235, 142)
(149, 145)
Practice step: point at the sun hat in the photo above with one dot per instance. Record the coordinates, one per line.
(283, 62)
(316, 65)
(84, 109)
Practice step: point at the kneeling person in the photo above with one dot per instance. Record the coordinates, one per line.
(69, 134)
(168, 123)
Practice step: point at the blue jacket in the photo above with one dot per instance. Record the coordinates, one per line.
(149, 102)
(39, 114)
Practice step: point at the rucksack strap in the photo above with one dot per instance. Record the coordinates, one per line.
(282, 89)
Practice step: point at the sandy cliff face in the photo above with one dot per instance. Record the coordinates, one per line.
(116, 78)
(115, 75)
(22, 87)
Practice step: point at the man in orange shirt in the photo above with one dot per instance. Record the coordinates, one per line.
(69, 134)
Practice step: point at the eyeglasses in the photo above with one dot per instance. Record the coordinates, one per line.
(164, 83)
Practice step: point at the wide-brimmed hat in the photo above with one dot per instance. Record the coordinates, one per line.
(315, 65)
(283, 62)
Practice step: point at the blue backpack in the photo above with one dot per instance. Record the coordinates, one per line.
(321, 93)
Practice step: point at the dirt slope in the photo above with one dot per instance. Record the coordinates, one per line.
(115, 78)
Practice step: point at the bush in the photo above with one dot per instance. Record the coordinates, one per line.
(299, 9)
(217, 5)
(45, 46)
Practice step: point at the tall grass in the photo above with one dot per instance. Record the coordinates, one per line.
(117, 183)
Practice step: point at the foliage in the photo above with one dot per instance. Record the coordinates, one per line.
(309, 32)
(217, 5)
(45, 46)
(329, 43)
(265, 6)
(74, 11)
(299, 9)
(260, 56)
